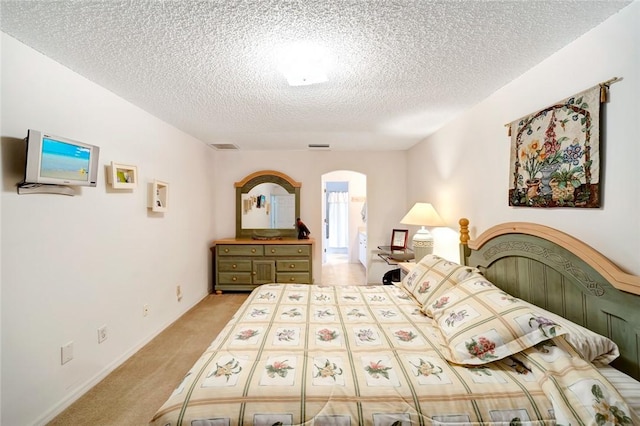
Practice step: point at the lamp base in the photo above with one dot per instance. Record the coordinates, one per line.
(422, 244)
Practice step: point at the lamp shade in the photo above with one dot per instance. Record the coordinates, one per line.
(422, 214)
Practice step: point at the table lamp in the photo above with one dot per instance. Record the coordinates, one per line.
(422, 214)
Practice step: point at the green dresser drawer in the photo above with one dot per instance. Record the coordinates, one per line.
(292, 265)
(234, 265)
(240, 250)
(234, 278)
(293, 277)
(287, 250)
(243, 264)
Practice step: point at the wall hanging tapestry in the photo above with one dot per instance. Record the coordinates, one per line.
(555, 153)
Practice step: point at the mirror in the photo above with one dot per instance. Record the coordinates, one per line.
(267, 205)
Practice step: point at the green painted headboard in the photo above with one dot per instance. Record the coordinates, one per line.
(561, 274)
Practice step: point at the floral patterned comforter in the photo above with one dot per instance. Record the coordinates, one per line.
(331, 355)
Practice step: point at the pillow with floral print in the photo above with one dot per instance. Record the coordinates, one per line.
(433, 275)
(479, 323)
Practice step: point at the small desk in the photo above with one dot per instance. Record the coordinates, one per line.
(395, 256)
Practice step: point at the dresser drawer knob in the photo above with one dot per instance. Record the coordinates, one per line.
(226, 250)
(234, 279)
(292, 279)
(292, 266)
(253, 250)
(234, 266)
(273, 250)
(299, 250)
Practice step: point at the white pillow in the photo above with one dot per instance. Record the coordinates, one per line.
(594, 347)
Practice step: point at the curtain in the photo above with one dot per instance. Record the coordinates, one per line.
(338, 219)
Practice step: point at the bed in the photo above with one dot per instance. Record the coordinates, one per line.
(531, 327)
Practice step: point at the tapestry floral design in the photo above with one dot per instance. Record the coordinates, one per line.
(555, 155)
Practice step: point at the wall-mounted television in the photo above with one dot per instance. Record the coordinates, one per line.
(58, 160)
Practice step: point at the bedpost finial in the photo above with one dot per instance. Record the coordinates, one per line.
(464, 230)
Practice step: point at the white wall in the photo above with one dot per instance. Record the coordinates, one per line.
(467, 161)
(73, 264)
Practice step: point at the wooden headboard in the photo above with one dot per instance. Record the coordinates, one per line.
(561, 274)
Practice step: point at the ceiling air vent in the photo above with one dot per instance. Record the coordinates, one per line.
(224, 146)
(319, 146)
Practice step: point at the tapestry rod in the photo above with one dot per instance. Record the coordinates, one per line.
(604, 86)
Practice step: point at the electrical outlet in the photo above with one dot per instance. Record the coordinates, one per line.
(102, 334)
(66, 353)
(145, 310)
(179, 292)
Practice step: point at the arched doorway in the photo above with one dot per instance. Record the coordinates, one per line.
(344, 210)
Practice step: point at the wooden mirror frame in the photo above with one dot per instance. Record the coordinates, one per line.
(247, 184)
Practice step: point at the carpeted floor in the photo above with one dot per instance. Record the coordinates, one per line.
(132, 393)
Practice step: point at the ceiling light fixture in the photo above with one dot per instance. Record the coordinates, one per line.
(304, 63)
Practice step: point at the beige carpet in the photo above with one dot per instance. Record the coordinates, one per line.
(132, 393)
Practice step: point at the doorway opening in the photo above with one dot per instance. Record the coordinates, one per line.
(336, 222)
(344, 219)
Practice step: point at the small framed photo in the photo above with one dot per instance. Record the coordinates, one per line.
(122, 176)
(158, 200)
(399, 239)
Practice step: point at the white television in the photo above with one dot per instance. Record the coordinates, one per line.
(56, 160)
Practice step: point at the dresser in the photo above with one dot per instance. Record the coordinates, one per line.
(244, 264)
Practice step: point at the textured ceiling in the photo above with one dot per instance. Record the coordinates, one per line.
(401, 69)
